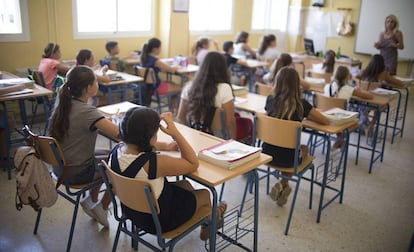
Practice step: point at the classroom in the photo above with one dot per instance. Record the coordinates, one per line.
(366, 206)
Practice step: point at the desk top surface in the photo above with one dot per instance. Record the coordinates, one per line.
(330, 129)
(207, 173)
(36, 91)
(126, 78)
(256, 63)
(251, 103)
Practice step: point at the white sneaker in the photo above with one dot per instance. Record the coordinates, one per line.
(87, 204)
(100, 214)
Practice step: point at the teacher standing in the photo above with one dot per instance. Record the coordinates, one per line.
(389, 42)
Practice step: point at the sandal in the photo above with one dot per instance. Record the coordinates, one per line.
(275, 192)
(284, 194)
(221, 209)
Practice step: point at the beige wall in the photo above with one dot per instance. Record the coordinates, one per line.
(24, 54)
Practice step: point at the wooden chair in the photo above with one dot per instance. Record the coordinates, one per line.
(150, 79)
(144, 200)
(287, 134)
(50, 152)
(326, 76)
(263, 89)
(324, 102)
(218, 125)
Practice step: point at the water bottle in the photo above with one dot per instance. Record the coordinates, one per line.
(338, 53)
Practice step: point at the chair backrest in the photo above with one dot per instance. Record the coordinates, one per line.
(123, 186)
(368, 85)
(38, 78)
(263, 89)
(147, 73)
(324, 102)
(47, 148)
(278, 132)
(326, 76)
(218, 124)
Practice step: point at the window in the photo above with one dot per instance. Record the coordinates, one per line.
(201, 19)
(270, 15)
(112, 18)
(14, 25)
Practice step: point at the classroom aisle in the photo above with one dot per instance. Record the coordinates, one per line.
(377, 213)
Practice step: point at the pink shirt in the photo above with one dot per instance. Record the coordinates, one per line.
(48, 67)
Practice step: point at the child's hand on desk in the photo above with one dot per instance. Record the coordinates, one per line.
(104, 69)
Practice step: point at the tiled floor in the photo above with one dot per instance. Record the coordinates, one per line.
(376, 215)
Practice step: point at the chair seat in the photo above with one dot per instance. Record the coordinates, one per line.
(305, 163)
(198, 216)
(81, 186)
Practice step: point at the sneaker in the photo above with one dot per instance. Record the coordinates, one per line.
(221, 209)
(275, 192)
(101, 214)
(87, 204)
(284, 194)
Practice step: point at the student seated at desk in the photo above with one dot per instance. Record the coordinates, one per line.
(241, 46)
(284, 60)
(267, 48)
(75, 124)
(86, 57)
(209, 89)
(201, 48)
(150, 51)
(112, 60)
(136, 156)
(286, 103)
(328, 64)
(375, 72)
(239, 72)
(341, 87)
(49, 64)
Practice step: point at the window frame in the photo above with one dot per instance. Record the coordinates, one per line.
(215, 32)
(25, 34)
(116, 34)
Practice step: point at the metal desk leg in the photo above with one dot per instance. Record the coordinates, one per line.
(385, 132)
(396, 116)
(374, 140)
(405, 109)
(325, 177)
(213, 223)
(8, 140)
(256, 208)
(345, 165)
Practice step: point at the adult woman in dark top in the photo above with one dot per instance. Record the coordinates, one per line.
(286, 103)
(389, 42)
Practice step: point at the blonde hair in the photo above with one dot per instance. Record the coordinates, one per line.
(395, 19)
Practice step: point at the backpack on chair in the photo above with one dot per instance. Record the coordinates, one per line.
(244, 129)
(35, 186)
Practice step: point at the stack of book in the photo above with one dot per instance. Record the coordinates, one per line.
(318, 82)
(239, 90)
(339, 116)
(8, 86)
(229, 154)
(383, 91)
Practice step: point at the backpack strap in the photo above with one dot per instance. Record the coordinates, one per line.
(132, 170)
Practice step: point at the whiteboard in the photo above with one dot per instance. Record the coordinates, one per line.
(371, 22)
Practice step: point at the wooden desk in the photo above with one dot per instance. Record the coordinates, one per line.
(120, 84)
(317, 128)
(211, 175)
(182, 72)
(38, 91)
(251, 103)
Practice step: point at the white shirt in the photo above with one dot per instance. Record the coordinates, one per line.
(331, 90)
(224, 94)
(126, 159)
(271, 53)
(201, 55)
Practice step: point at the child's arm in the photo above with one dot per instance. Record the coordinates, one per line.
(108, 128)
(362, 93)
(247, 48)
(318, 117)
(170, 166)
(305, 84)
(62, 68)
(391, 80)
(161, 65)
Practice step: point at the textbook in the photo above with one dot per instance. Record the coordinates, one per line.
(339, 116)
(229, 154)
(239, 90)
(13, 85)
(316, 81)
(383, 91)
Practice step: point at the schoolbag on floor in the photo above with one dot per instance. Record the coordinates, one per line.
(35, 186)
